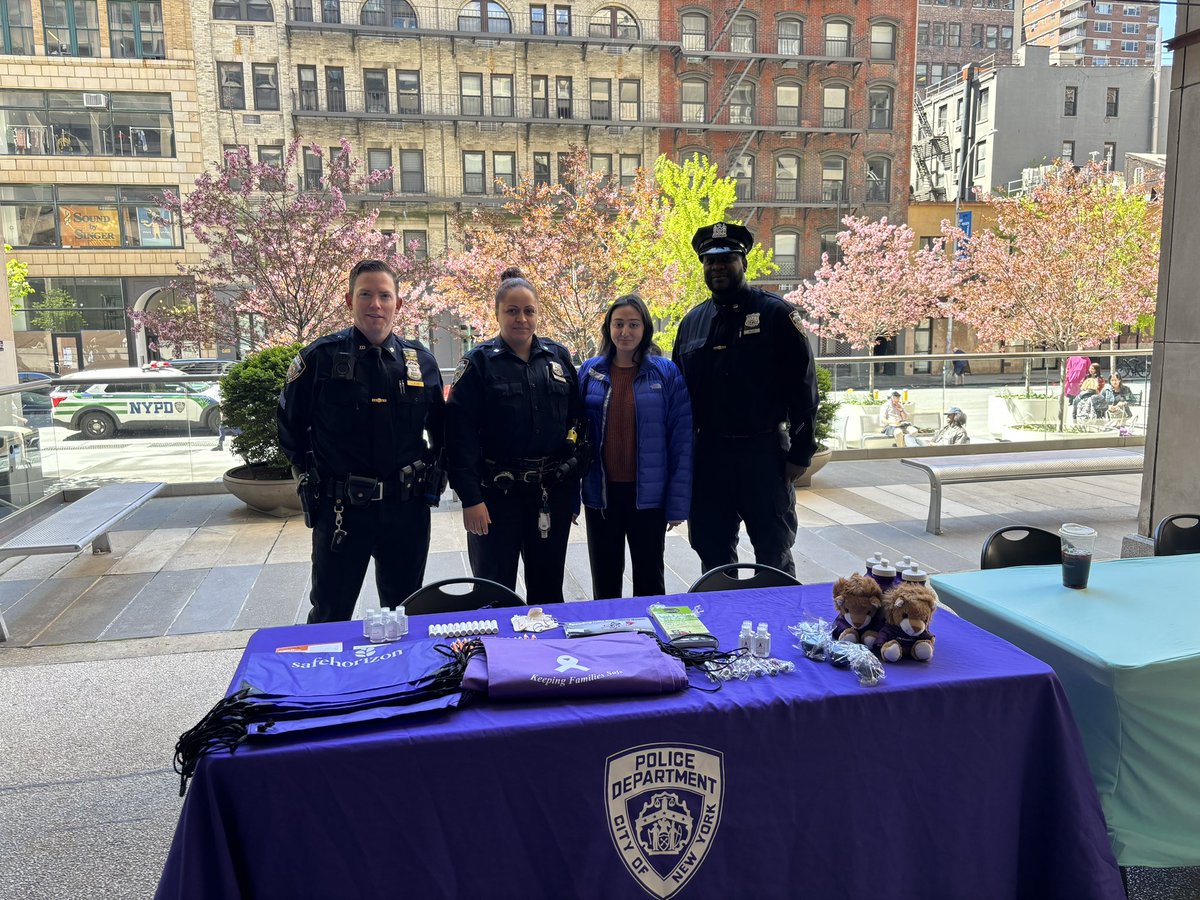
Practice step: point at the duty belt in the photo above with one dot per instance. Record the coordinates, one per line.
(359, 490)
(524, 471)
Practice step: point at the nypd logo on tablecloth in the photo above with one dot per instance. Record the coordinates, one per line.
(664, 806)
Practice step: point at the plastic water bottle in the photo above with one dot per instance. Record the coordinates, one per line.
(391, 628)
(368, 614)
(746, 637)
(762, 641)
(375, 631)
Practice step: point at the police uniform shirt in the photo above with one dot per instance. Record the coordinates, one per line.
(361, 410)
(505, 410)
(748, 367)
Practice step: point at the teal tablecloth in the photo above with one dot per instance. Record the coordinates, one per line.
(1128, 654)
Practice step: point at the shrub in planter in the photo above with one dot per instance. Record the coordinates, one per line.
(826, 408)
(249, 399)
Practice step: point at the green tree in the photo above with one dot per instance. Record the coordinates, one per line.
(18, 287)
(692, 195)
(54, 310)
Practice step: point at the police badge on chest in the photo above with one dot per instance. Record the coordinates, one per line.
(751, 324)
(557, 373)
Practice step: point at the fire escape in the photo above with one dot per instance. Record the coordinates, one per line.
(929, 148)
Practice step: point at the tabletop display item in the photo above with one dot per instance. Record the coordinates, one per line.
(1078, 541)
(536, 620)
(815, 638)
(859, 603)
(682, 626)
(908, 609)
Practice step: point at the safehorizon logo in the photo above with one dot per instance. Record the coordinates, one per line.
(664, 805)
(364, 655)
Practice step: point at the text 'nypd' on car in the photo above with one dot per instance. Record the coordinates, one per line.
(100, 402)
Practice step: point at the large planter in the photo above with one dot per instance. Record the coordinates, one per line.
(820, 458)
(1005, 412)
(268, 490)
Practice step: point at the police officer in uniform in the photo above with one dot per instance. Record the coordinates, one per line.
(515, 450)
(353, 415)
(753, 385)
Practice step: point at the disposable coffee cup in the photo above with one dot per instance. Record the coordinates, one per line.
(1078, 542)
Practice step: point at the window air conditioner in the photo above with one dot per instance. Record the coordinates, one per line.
(489, 126)
(95, 100)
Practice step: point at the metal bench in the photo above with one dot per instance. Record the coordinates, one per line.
(75, 525)
(983, 467)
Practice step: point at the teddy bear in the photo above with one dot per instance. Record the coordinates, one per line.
(907, 609)
(859, 603)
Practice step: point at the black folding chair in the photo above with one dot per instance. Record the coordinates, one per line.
(1020, 545)
(483, 594)
(1178, 534)
(725, 578)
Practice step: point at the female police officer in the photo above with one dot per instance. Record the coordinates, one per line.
(513, 453)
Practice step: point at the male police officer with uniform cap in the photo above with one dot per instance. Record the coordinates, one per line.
(753, 385)
(351, 417)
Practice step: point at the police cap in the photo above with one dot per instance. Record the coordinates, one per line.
(722, 237)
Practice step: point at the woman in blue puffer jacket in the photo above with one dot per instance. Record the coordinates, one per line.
(640, 425)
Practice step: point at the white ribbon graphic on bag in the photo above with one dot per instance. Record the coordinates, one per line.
(566, 663)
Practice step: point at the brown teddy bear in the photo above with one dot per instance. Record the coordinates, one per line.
(907, 610)
(859, 603)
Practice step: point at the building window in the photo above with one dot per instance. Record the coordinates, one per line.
(787, 177)
(980, 160)
(539, 87)
(879, 180)
(982, 107)
(613, 22)
(416, 243)
(922, 34)
(630, 163)
(471, 18)
(943, 113)
(474, 172)
(380, 160)
(266, 86)
(116, 217)
(741, 35)
(1103, 27)
(564, 90)
(1101, 47)
(335, 88)
(1112, 102)
(1071, 101)
(1131, 28)
(600, 95)
(1104, 9)
(921, 75)
(53, 123)
(231, 81)
(312, 170)
(408, 92)
(541, 169)
(1110, 157)
(954, 35)
(331, 11)
(694, 27)
(883, 42)
(787, 104)
(833, 180)
(791, 37)
(787, 252)
(562, 21)
(837, 38)
(502, 96)
(1131, 11)
(470, 92)
(504, 170)
(742, 173)
(16, 27)
(1129, 46)
(834, 109)
(830, 248)
(601, 164)
(375, 90)
(71, 27)
(1068, 151)
(537, 20)
(412, 171)
(564, 167)
(244, 10)
(387, 14)
(306, 82)
(693, 95)
(880, 100)
(630, 100)
(135, 29)
(271, 155)
(741, 105)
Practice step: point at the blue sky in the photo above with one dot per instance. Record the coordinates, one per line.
(1166, 16)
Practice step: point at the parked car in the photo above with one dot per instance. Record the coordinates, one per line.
(199, 366)
(101, 402)
(35, 401)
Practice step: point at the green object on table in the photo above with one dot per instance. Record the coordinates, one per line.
(1128, 655)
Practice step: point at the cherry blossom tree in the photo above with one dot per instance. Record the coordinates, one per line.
(878, 288)
(277, 255)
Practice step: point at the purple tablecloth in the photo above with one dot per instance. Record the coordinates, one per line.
(963, 777)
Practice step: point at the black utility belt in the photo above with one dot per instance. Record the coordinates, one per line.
(522, 471)
(359, 490)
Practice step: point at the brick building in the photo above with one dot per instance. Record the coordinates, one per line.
(98, 114)
(1083, 33)
(952, 33)
(809, 110)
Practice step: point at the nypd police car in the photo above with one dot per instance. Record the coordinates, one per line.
(100, 402)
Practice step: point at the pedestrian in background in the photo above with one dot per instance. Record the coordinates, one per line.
(639, 484)
(353, 415)
(515, 448)
(962, 368)
(753, 386)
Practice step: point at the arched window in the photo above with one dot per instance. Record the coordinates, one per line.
(879, 179)
(388, 14)
(694, 31)
(790, 36)
(834, 98)
(787, 254)
(693, 99)
(829, 246)
(471, 18)
(742, 173)
(880, 100)
(837, 38)
(742, 34)
(787, 177)
(883, 41)
(615, 22)
(788, 97)
(833, 180)
(686, 153)
(741, 104)
(243, 10)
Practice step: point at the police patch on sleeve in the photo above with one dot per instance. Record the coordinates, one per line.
(296, 369)
(461, 370)
(797, 320)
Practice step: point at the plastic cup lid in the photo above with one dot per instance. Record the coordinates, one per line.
(1072, 530)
